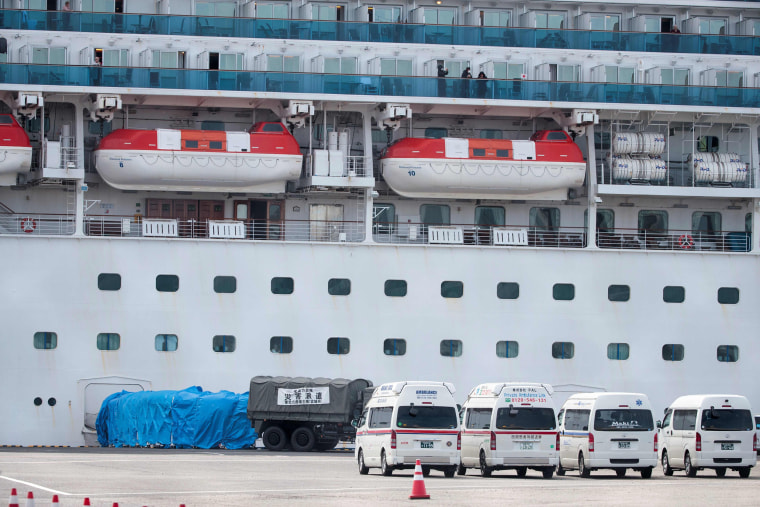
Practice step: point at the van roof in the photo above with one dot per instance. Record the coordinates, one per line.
(493, 389)
(395, 388)
(641, 399)
(708, 400)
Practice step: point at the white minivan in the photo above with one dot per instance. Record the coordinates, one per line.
(408, 421)
(708, 431)
(509, 426)
(607, 430)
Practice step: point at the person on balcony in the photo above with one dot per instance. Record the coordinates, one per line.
(442, 73)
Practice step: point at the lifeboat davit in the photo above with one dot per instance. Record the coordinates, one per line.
(260, 160)
(15, 150)
(546, 166)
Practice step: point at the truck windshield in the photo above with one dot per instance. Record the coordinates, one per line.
(623, 420)
(525, 418)
(426, 417)
(726, 420)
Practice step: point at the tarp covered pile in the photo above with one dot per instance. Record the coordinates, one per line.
(183, 419)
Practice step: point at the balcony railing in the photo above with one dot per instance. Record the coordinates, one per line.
(397, 86)
(676, 240)
(363, 32)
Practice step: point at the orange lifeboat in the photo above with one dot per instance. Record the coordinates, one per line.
(15, 150)
(546, 166)
(260, 160)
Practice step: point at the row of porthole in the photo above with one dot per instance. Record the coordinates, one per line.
(398, 288)
(391, 347)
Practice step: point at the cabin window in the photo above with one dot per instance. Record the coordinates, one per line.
(489, 216)
(283, 63)
(673, 294)
(544, 219)
(707, 144)
(281, 344)
(45, 340)
(502, 153)
(272, 127)
(550, 19)
(435, 214)
(705, 223)
(108, 341)
(166, 342)
(607, 22)
(618, 351)
(556, 136)
(215, 145)
(223, 343)
(343, 65)
(619, 293)
(395, 67)
(508, 290)
(395, 288)
(282, 285)
(728, 295)
(452, 289)
(215, 125)
(338, 346)
(225, 9)
(383, 218)
(167, 283)
(451, 348)
(748, 216)
(394, 347)
(436, 132)
(225, 284)
(478, 152)
(191, 144)
(653, 224)
(563, 350)
(622, 75)
(728, 353)
(491, 134)
(109, 281)
(339, 286)
(563, 291)
(507, 349)
(672, 352)
(273, 10)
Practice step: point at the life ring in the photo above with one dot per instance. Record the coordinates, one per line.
(686, 242)
(28, 224)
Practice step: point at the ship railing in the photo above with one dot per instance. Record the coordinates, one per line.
(353, 166)
(37, 224)
(680, 174)
(479, 235)
(674, 240)
(361, 32)
(337, 231)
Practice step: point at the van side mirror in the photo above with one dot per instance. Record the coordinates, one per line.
(585, 428)
(355, 423)
(659, 425)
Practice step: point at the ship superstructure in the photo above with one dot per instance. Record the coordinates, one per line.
(196, 192)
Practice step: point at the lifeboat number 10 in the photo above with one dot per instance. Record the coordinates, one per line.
(412, 173)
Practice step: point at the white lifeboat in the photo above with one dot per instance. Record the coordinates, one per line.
(546, 166)
(261, 160)
(15, 150)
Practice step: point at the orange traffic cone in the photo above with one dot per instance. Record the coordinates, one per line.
(30, 499)
(13, 502)
(55, 502)
(418, 486)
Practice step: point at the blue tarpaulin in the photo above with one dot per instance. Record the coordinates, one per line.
(185, 419)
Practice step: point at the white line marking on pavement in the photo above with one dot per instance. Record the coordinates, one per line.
(37, 486)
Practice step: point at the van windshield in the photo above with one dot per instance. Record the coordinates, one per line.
(412, 416)
(623, 420)
(726, 420)
(525, 418)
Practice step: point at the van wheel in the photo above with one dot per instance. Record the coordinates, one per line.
(485, 470)
(620, 472)
(585, 472)
(274, 438)
(666, 464)
(646, 473)
(302, 439)
(461, 470)
(560, 470)
(744, 472)
(548, 472)
(385, 468)
(720, 472)
(450, 472)
(687, 466)
(363, 470)
(521, 471)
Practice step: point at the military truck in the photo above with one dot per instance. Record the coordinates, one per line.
(306, 413)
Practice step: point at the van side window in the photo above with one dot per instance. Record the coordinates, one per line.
(479, 419)
(577, 420)
(684, 420)
(560, 416)
(380, 417)
(666, 421)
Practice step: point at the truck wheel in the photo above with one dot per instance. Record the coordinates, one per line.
(302, 439)
(274, 438)
(385, 468)
(363, 470)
